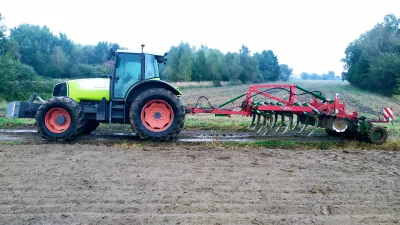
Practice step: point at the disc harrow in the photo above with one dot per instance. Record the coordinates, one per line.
(273, 114)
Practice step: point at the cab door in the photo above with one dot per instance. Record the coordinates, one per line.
(127, 73)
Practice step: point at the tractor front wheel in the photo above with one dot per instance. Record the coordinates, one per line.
(60, 119)
(157, 114)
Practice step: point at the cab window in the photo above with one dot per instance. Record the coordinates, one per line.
(127, 73)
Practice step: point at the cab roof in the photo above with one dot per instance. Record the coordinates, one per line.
(139, 52)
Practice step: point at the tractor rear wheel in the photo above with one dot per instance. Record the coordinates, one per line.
(377, 135)
(60, 119)
(90, 126)
(157, 114)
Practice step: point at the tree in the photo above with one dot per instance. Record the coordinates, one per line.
(35, 46)
(305, 76)
(185, 64)
(58, 62)
(315, 76)
(371, 61)
(2, 35)
(268, 66)
(180, 63)
(286, 72)
(214, 62)
(200, 67)
(231, 63)
(331, 75)
(249, 66)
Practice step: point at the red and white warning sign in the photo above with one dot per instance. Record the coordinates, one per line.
(388, 114)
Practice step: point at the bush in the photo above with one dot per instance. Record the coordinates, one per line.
(216, 83)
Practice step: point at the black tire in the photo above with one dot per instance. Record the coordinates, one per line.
(334, 133)
(377, 135)
(90, 126)
(173, 101)
(75, 111)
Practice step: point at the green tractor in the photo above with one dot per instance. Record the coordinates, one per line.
(133, 94)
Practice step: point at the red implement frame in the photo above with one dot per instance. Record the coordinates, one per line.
(317, 106)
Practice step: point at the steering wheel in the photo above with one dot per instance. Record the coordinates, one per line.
(126, 77)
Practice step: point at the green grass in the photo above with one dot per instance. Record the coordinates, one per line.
(12, 123)
(390, 145)
(210, 122)
(11, 143)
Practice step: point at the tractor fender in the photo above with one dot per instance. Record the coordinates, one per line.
(145, 85)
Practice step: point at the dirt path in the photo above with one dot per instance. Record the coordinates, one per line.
(86, 184)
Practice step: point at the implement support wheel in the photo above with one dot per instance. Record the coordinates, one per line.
(377, 135)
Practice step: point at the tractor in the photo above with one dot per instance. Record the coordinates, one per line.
(133, 94)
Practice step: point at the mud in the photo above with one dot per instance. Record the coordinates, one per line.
(31, 136)
(87, 184)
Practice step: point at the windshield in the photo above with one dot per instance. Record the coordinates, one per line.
(151, 68)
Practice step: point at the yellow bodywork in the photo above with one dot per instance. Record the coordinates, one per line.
(89, 89)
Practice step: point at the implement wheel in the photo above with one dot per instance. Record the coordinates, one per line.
(157, 114)
(333, 133)
(60, 118)
(377, 135)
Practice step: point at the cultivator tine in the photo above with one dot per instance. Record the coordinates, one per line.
(289, 125)
(315, 126)
(274, 122)
(258, 122)
(264, 124)
(281, 124)
(271, 121)
(304, 126)
(252, 121)
(297, 123)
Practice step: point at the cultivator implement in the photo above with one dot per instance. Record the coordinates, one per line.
(274, 114)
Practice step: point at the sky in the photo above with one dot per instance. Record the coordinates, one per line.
(308, 35)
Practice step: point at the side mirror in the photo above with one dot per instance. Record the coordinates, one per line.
(165, 58)
(110, 53)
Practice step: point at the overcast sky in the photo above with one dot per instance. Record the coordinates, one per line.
(308, 35)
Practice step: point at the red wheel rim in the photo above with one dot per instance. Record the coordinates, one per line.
(157, 115)
(57, 120)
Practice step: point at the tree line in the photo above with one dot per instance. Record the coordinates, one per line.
(187, 63)
(313, 76)
(32, 58)
(34, 53)
(372, 61)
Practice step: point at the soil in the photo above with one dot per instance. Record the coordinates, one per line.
(95, 184)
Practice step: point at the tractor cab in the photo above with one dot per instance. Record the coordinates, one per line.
(132, 67)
